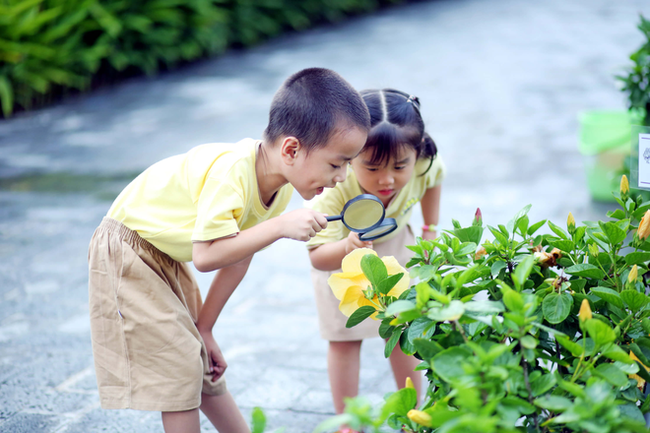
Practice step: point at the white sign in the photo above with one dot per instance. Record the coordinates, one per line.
(644, 161)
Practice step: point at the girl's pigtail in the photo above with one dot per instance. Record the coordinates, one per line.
(428, 150)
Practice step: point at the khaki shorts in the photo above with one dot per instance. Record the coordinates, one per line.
(148, 352)
(330, 319)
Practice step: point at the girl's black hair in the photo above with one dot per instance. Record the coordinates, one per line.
(395, 122)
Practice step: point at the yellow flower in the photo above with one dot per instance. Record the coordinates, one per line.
(640, 381)
(409, 383)
(625, 186)
(571, 223)
(349, 286)
(480, 253)
(632, 276)
(585, 311)
(420, 417)
(644, 226)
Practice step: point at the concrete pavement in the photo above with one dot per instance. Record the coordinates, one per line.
(501, 83)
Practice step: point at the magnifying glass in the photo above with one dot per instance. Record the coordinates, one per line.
(362, 213)
(388, 225)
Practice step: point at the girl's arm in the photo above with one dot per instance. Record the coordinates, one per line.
(430, 204)
(328, 257)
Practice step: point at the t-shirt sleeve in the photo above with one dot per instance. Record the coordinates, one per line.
(220, 204)
(330, 202)
(436, 173)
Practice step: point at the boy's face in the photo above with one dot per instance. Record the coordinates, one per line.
(385, 181)
(325, 166)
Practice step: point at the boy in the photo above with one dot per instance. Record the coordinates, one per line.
(216, 206)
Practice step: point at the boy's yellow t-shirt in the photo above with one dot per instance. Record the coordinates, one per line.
(207, 193)
(331, 201)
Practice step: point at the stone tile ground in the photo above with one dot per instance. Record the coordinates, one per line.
(501, 84)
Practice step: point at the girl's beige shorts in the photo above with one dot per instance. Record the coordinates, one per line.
(148, 352)
(331, 320)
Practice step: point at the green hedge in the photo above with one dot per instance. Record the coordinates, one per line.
(48, 47)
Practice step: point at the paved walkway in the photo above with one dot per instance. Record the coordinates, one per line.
(501, 83)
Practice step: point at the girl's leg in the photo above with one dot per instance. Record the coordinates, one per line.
(181, 422)
(343, 368)
(403, 366)
(223, 413)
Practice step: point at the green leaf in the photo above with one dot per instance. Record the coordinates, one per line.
(553, 403)
(631, 411)
(532, 229)
(637, 258)
(422, 327)
(258, 423)
(361, 314)
(485, 307)
(585, 270)
(448, 363)
(529, 342)
(399, 307)
(608, 295)
(374, 269)
(558, 231)
(573, 347)
(497, 266)
(427, 348)
(614, 234)
(634, 300)
(611, 374)
(513, 300)
(450, 312)
(542, 384)
(522, 271)
(392, 342)
(469, 234)
(501, 239)
(615, 353)
(563, 245)
(387, 285)
(6, 96)
(400, 402)
(556, 307)
(600, 332)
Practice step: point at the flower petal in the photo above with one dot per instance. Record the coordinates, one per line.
(339, 283)
(352, 262)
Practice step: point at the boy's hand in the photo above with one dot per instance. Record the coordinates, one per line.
(353, 242)
(302, 224)
(216, 360)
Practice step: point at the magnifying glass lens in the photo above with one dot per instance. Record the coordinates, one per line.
(387, 226)
(363, 214)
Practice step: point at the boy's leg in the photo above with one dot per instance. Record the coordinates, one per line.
(181, 422)
(403, 366)
(343, 361)
(223, 413)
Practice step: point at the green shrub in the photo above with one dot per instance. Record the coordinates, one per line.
(559, 342)
(48, 45)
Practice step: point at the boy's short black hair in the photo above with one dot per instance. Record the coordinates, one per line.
(309, 106)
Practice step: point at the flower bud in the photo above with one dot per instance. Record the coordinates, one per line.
(409, 383)
(644, 226)
(593, 250)
(478, 218)
(480, 253)
(420, 417)
(632, 276)
(585, 311)
(625, 186)
(571, 223)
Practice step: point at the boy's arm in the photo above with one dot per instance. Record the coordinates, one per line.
(328, 257)
(430, 204)
(224, 283)
(301, 224)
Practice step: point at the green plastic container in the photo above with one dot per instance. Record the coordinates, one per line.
(605, 143)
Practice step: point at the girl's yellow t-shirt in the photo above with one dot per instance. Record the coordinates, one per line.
(207, 193)
(331, 201)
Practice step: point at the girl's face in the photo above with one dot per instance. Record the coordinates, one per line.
(385, 181)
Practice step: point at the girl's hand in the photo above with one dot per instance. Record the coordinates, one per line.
(216, 360)
(429, 235)
(353, 242)
(302, 224)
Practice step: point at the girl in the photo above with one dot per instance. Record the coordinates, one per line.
(398, 164)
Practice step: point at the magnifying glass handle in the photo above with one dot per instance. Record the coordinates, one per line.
(333, 217)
